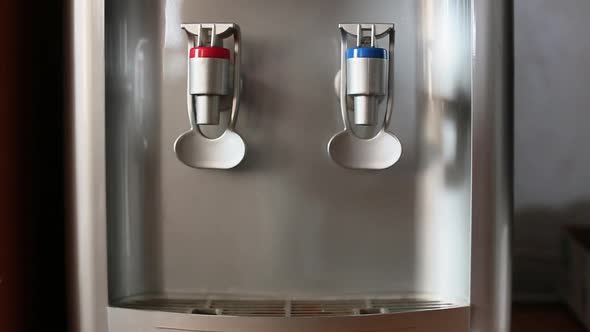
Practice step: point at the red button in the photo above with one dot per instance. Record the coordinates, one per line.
(209, 52)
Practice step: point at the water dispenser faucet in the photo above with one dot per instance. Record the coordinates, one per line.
(208, 78)
(367, 68)
(365, 77)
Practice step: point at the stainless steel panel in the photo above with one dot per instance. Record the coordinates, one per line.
(86, 183)
(492, 166)
(210, 305)
(443, 320)
(287, 221)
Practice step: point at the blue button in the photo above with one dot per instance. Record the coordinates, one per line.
(367, 52)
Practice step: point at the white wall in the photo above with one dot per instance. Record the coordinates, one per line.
(552, 135)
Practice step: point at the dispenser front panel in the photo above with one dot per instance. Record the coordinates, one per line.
(288, 221)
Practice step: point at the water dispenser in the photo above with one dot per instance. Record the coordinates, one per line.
(304, 215)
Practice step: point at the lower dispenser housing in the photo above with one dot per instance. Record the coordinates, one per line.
(288, 240)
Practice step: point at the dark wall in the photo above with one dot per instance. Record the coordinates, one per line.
(45, 158)
(12, 194)
(552, 112)
(32, 256)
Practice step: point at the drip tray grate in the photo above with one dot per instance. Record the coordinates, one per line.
(283, 308)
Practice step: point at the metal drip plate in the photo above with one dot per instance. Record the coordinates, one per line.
(284, 308)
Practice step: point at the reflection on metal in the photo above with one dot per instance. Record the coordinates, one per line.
(206, 83)
(367, 78)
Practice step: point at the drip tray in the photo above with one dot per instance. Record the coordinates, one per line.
(283, 308)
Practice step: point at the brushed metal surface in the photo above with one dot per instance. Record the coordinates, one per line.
(85, 166)
(441, 320)
(288, 222)
(224, 306)
(492, 166)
